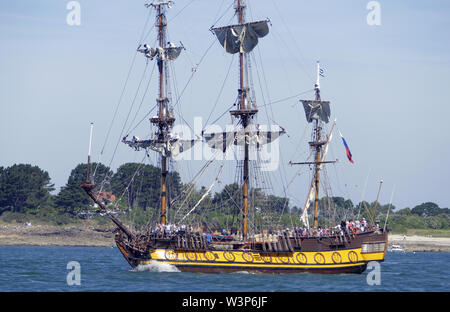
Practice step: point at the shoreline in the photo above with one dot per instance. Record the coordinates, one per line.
(415, 243)
(102, 236)
(50, 235)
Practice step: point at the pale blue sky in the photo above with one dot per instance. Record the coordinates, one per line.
(387, 85)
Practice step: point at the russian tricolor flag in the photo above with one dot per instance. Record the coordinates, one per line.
(349, 155)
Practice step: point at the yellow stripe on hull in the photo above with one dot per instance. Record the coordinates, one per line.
(339, 259)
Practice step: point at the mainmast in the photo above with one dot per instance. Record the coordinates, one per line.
(245, 114)
(242, 38)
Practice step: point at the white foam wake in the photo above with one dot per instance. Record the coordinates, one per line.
(156, 266)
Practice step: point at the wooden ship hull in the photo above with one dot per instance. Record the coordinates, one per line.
(327, 255)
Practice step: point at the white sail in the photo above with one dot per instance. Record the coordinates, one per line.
(254, 138)
(241, 38)
(162, 54)
(309, 199)
(172, 148)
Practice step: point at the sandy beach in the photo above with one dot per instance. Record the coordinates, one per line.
(94, 235)
(420, 243)
(48, 235)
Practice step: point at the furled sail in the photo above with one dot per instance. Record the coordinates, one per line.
(312, 189)
(316, 110)
(309, 199)
(241, 38)
(254, 137)
(172, 148)
(162, 54)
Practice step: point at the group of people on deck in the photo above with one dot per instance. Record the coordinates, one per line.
(167, 229)
(348, 227)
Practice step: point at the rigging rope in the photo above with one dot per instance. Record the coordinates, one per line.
(142, 101)
(194, 181)
(225, 12)
(131, 180)
(194, 70)
(128, 115)
(207, 192)
(179, 12)
(293, 40)
(122, 92)
(221, 90)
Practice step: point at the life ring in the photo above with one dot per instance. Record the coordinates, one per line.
(209, 256)
(266, 258)
(352, 256)
(191, 256)
(319, 258)
(301, 258)
(229, 256)
(248, 257)
(170, 255)
(283, 258)
(336, 257)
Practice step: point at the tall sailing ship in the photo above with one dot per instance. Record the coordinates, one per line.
(340, 250)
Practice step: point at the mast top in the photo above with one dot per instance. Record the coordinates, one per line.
(317, 85)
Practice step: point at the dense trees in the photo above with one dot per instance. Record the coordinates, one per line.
(428, 210)
(139, 185)
(26, 190)
(72, 198)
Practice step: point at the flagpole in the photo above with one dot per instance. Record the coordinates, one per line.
(318, 76)
(390, 203)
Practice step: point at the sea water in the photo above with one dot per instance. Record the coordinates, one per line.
(103, 269)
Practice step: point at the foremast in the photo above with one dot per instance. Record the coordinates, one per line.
(164, 121)
(162, 141)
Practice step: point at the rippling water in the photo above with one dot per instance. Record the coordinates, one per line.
(31, 269)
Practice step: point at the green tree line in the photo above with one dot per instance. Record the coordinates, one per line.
(26, 191)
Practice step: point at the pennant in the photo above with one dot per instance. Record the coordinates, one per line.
(349, 155)
(321, 70)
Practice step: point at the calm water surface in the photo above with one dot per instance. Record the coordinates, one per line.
(31, 269)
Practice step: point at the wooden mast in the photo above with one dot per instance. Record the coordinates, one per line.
(161, 28)
(245, 114)
(317, 172)
(89, 155)
(318, 144)
(244, 119)
(242, 38)
(163, 121)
